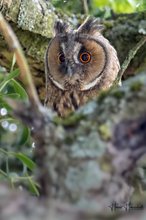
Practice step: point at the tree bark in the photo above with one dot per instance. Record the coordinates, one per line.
(90, 157)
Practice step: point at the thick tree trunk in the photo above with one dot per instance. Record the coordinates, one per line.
(89, 157)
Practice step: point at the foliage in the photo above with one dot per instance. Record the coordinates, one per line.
(16, 164)
(118, 6)
(101, 7)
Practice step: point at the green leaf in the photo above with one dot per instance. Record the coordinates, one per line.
(25, 160)
(9, 77)
(33, 186)
(3, 173)
(10, 95)
(24, 137)
(19, 90)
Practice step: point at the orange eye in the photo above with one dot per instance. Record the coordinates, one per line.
(61, 58)
(85, 57)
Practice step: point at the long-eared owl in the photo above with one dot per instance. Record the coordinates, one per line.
(78, 64)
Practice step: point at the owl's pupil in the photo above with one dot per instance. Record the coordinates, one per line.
(85, 57)
(61, 58)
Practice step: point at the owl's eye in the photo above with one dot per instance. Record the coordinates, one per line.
(85, 57)
(61, 58)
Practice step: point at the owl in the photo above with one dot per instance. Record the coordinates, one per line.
(78, 65)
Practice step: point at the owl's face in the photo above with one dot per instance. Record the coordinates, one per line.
(77, 58)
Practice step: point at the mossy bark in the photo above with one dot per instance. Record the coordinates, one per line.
(85, 166)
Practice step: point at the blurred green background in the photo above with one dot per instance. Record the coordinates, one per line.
(101, 7)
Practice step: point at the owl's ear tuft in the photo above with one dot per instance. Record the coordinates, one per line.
(90, 26)
(60, 27)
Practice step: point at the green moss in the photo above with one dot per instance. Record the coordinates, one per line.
(68, 140)
(136, 86)
(102, 96)
(118, 94)
(71, 120)
(105, 164)
(34, 44)
(108, 24)
(104, 131)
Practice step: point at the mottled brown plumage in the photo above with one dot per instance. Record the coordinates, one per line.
(79, 63)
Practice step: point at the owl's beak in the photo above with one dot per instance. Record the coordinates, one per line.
(69, 71)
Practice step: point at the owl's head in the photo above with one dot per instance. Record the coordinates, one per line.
(78, 58)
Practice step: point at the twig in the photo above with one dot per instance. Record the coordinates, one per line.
(130, 56)
(38, 119)
(15, 47)
(33, 114)
(85, 6)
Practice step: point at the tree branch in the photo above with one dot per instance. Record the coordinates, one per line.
(130, 56)
(15, 47)
(31, 113)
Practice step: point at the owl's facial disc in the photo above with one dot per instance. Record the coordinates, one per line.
(75, 61)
